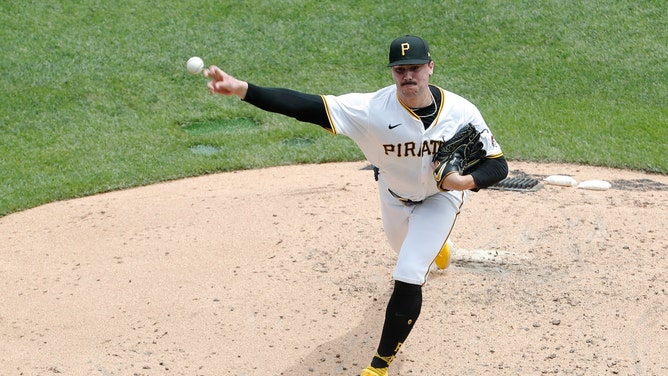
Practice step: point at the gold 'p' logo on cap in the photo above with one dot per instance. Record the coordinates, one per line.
(405, 47)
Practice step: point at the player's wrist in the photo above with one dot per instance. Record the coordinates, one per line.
(457, 182)
(242, 90)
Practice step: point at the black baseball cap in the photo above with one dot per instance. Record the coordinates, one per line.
(408, 50)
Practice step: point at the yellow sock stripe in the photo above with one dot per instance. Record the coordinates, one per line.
(386, 359)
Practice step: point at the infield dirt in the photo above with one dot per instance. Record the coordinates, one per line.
(286, 271)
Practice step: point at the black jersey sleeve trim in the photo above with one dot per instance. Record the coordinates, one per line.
(332, 127)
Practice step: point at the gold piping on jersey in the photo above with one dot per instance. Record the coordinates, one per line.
(416, 116)
(440, 107)
(332, 129)
(413, 114)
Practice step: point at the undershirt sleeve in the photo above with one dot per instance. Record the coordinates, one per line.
(490, 172)
(304, 107)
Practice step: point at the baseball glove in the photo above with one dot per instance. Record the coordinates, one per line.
(459, 154)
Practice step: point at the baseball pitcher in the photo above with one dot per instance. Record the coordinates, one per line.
(429, 146)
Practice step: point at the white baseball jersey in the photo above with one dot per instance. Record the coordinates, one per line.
(394, 139)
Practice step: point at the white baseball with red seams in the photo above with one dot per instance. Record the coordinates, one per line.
(195, 65)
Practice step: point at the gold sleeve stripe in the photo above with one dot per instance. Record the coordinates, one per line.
(332, 127)
(498, 155)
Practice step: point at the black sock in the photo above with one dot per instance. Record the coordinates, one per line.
(402, 311)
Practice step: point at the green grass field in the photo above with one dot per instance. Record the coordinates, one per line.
(96, 96)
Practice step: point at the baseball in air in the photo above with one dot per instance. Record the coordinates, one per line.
(195, 65)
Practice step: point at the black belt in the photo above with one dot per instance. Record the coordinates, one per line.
(405, 201)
